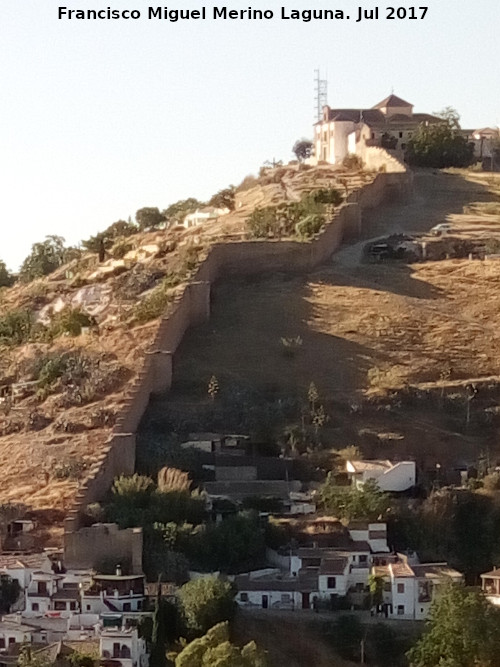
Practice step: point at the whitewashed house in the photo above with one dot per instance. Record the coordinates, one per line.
(390, 477)
(410, 589)
(20, 567)
(114, 592)
(277, 590)
(333, 577)
(125, 646)
(490, 585)
(202, 215)
(14, 632)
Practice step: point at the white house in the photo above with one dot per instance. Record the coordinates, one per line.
(14, 632)
(125, 646)
(114, 592)
(205, 214)
(333, 577)
(21, 568)
(389, 124)
(392, 477)
(490, 584)
(277, 590)
(410, 589)
(39, 593)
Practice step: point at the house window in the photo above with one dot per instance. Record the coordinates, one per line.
(72, 605)
(387, 586)
(59, 605)
(139, 604)
(2, 642)
(35, 606)
(363, 559)
(126, 606)
(88, 607)
(401, 588)
(12, 640)
(401, 609)
(42, 588)
(331, 582)
(285, 597)
(243, 597)
(400, 135)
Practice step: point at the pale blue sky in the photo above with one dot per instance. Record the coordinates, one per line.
(100, 118)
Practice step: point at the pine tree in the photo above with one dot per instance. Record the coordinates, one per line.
(158, 656)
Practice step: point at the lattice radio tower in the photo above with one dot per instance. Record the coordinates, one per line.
(320, 94)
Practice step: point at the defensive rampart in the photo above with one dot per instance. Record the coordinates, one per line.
(192, 307)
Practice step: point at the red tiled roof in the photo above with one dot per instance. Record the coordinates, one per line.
(392, 101)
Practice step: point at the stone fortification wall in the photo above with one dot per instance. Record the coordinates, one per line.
(192, 307)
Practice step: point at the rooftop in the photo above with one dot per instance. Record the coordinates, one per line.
(334, 566)
(392, 101)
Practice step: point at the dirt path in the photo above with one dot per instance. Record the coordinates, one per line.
(437, 197)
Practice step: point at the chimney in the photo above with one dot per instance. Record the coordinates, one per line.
(118, 570)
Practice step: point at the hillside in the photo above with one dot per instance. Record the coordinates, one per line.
(391, 346)
(60, 392)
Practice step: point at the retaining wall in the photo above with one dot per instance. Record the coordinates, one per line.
(192, 307)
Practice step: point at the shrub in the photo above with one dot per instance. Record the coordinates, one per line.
(121, 248)
(310, 226)
(15, 327)
(206, 602)
(291, 345)
(70, 469)
(69, 321)
(263, 222)
(325, 196)
(153, 305)
(352, 161)
(51, 370)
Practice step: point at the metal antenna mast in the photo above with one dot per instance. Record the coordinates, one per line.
(320, 94)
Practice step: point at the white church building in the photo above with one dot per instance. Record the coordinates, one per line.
(389, 124)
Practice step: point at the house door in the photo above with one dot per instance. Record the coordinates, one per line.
(305, 601)
(265, 602)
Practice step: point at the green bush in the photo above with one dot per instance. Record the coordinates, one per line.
(309, 226)
(69, 321)
(325, 196)
(15, 327)
(52, 369)
(153, 305)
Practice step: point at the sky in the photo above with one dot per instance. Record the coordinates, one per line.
(99, 118)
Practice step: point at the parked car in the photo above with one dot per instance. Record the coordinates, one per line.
(440, 230)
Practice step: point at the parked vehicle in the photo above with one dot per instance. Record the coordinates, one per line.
(441, 229)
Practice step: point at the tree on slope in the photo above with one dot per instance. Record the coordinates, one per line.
(45, 257)
(206, 602)
(302, 149)
(158, 656)
(215, 650)
(462, 631)
(6, 278)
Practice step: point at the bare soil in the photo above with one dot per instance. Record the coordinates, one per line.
(367, 330)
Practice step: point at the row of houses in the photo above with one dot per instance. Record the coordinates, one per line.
(339, 576)
(78, 606)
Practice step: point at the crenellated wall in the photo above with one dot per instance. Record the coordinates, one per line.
(192, 307)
